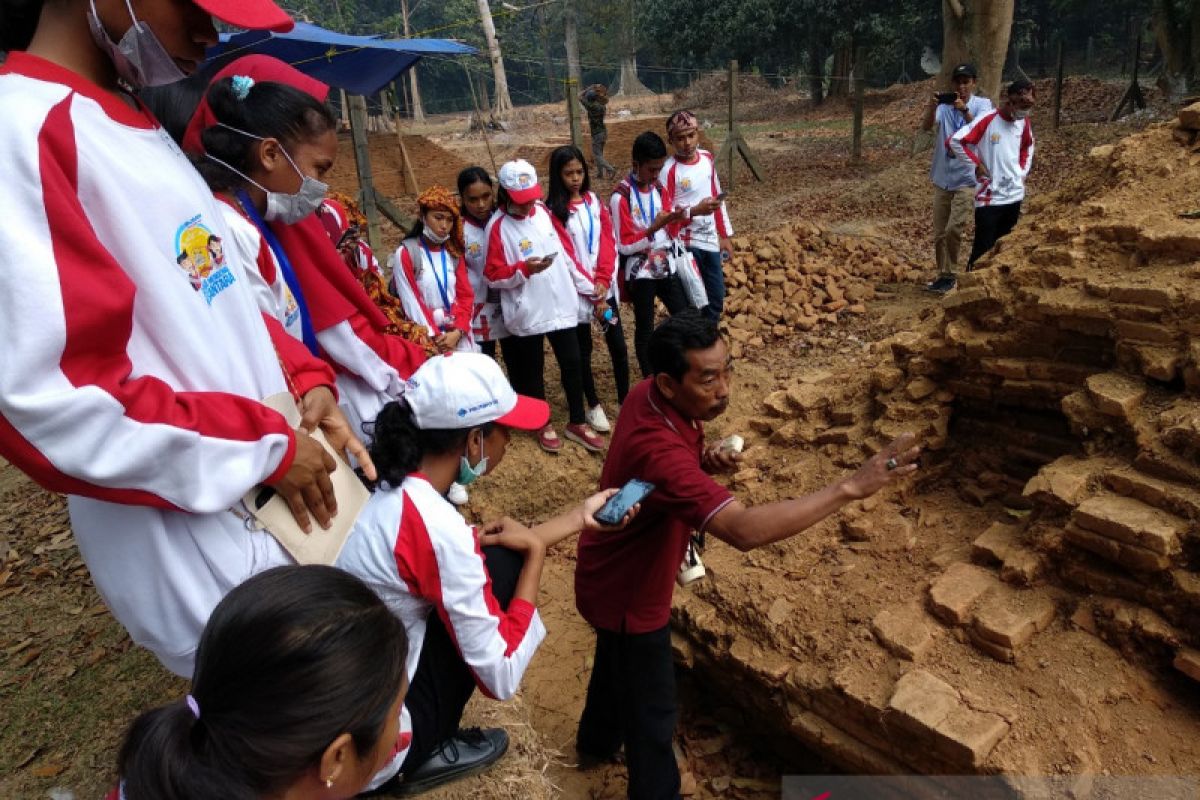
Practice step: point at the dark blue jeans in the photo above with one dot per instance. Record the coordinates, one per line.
(712, 270)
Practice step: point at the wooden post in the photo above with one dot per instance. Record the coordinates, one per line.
(410, 177)
(362, 162)
(1133, 96)
(733, 73)
(571, 90)
(859, 81)
(1058, 86)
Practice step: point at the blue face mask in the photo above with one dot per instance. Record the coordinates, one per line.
(468, 474)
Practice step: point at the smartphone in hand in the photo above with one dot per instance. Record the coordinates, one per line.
(947, 98)
(619, 504)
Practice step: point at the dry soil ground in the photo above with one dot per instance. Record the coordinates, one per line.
(70, 681)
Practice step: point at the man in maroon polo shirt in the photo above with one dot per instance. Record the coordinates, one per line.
(624, 580)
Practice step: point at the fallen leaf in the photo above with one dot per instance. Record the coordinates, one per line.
(50, 770)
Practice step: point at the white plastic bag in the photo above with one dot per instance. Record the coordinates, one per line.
(683, 263)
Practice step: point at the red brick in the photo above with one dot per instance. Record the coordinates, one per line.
(1131, 521)
(955, 593)
(1011, 618)
(903, 631)
(1115, 394)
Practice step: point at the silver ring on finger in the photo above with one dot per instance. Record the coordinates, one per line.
(891, 464)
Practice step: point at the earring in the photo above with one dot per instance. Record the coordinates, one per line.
(329, 783)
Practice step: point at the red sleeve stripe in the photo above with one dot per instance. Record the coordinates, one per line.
(1026, 144)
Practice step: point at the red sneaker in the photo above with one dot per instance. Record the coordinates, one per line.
(549, 440)
(584, 435)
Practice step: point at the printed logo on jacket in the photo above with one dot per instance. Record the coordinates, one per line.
(200, 253)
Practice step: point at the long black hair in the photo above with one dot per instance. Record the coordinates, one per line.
(398, 444)
(18, 22)
(271, 110)
(290, 660)
(558, 199)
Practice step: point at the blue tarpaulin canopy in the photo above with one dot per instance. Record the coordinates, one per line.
(359, 64)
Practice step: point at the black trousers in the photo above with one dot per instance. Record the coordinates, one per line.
(526, 361)
(992, 223)
(618, 351)
(642, 293)
(631, 701)
(444, 683)
(489, 348)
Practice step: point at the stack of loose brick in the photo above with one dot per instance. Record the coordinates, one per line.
(794, 279)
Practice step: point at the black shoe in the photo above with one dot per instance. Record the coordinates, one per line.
(468, 752)
(942, 285)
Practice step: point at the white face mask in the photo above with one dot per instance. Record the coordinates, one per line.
(434, 238)
(286, 208)
(139, 57)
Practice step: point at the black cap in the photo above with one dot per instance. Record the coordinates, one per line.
(963, 71)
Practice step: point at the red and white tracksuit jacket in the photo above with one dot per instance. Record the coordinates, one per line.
(1005, 146)
(414, 549)
(280, 311)
(424, 290)
(534, 303)
(487, 321)
(690, 182)
(633, 211)
(371, 364)
(135, 355)
(591, 230)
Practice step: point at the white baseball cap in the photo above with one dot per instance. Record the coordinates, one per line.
(520, 180)
(466, 390)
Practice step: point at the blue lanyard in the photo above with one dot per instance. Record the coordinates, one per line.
(592, 225)
(307, 334)
(637, 193)
(444, 281)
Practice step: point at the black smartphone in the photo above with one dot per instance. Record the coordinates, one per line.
(947, 98)
(550, 258)
(722, 195)
(619, 504)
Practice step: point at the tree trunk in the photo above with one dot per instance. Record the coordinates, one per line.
(552, 93)
(571, 26)
(1175, 31)
(629, 83)
(816, 80)
(503, 101)
(418, 111)
(839, 76)
(976, 31)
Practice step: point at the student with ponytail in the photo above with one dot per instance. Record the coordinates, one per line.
(264, 138)
(467, 597)
(136, 358)
(311, 711)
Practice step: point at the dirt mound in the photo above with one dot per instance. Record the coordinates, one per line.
(1035, 592)
(431, 164)
(712, 90)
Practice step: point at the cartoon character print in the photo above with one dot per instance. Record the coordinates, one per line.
(201, 258)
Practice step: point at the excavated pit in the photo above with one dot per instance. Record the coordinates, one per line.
(1029, 605)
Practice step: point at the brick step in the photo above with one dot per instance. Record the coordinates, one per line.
(1127, 531)
(997, 619)
(1001, 544)
(1175, 498)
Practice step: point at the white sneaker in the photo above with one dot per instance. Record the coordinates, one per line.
(457, 494)
(597, 419)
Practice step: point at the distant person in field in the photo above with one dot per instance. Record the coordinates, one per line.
(953, 177)
(594, 100)
(624, 579)
(690, 178)
(1000, 145)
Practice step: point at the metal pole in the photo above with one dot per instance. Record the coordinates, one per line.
(362, 162)
(571, 90)
(733, 72)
